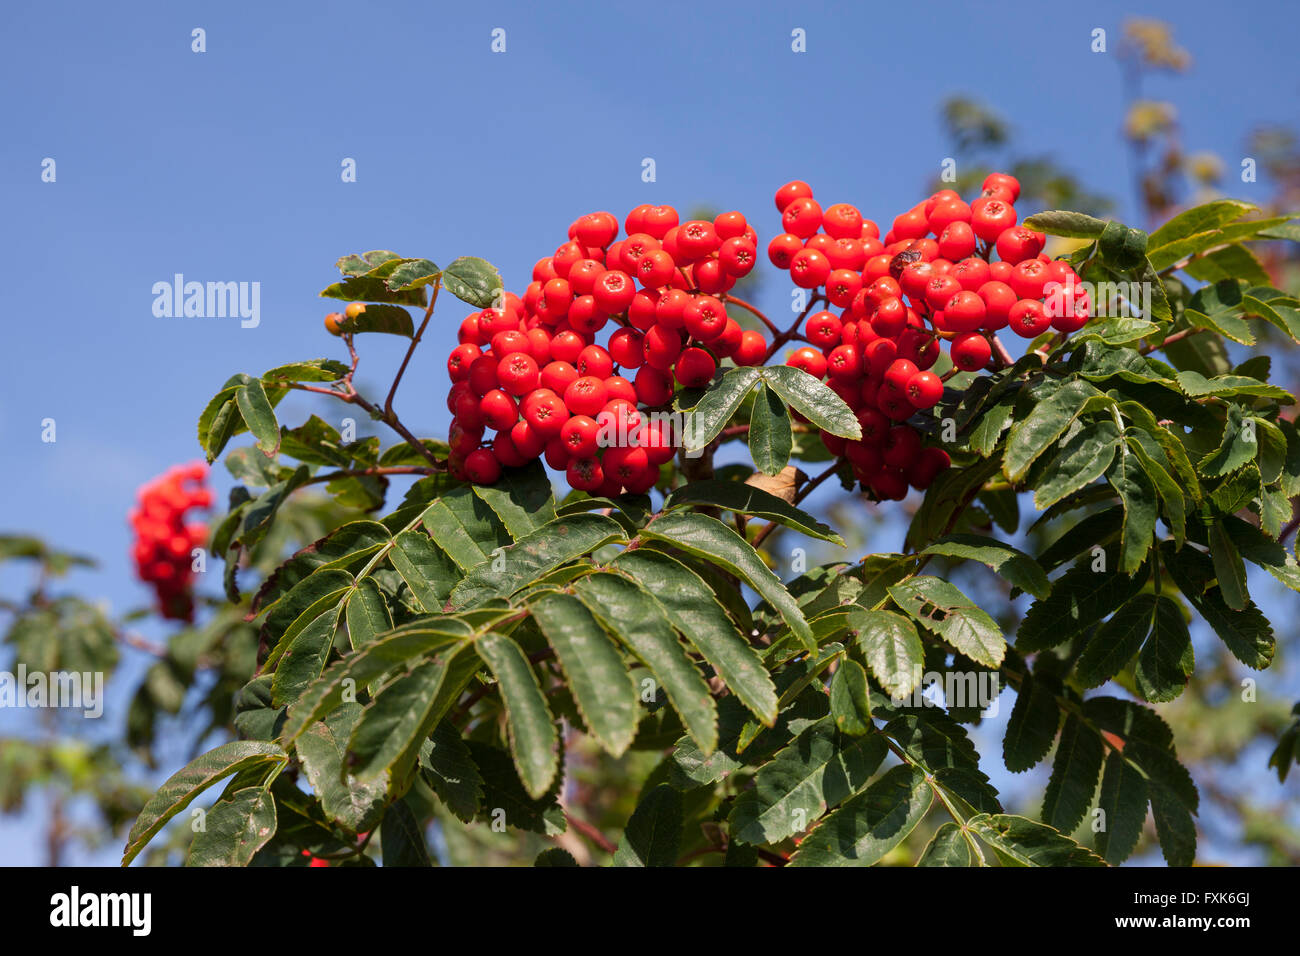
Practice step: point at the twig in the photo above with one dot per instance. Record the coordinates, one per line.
(590, 832)
(1169, 340)
(428, 314)
(753, 311)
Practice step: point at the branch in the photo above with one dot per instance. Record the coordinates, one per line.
(753, 311)
(1169, 340)
(590, 832)
(428, 314)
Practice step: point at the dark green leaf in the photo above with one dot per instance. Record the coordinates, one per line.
(533, 739)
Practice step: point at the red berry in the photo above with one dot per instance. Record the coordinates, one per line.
(705, 317)
(585, 474)
(586, 395)
(998, 299)
(1018, 243)
(695, 368)
(482, 467)
(653, 386)
(842, 221)
(964, 312)
(1028, 318)
(752, 349)
(579, 436)
(924, 390)
(809, 268)
(626, 348)
(460, 360)
(808, 359)
(518, 373)
(499, 410)
(990, 217)
(802, 217)
(796, 189)
(971, 352)
(783, 248)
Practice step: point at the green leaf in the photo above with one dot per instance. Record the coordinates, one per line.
(367, 613)
(654, 831)
(711, 414)
(1123, 800)
(1074, 775)
(1200, 218)
(388, 319)
(713, 541)
(1043, 426)
(1152, 459)
(1072, 225)
(1237, 448)
(1167, 659)
(1013, 564)
(1229, 569)
(413, 274)
(1025, 842)
(259, 416)
(368, 663)
(1175, 828)
(466, 527)
(426, 569)
(1138, 496)
(892, 649)
(1231, 262)
(219, 422)
(747, 499)
(555, 857)
(311, 370)
(391, 729)
(449, 769)
(473, 280)
(522, 499)
(851, 699)
(870, 824)
(184, 785)
(1225, 386)
(693, 609)
(503, 790)
(813, 399)
(1116, 642)
(1083, 459)
(1259, 549)
(770, 437)
(304, 659)
(948, 847)
(1119, 331)
(533, 739)
(235, 829)
(632, 615)
(1246, 633)
(1031, 727)
(401, 838)
(354, 805)
(602, 688)
(535, 555)
(818, 769)
(940, 607)
(1080, 598)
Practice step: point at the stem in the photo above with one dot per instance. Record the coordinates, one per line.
(590, 832)
(368, 472)
(428, 314)
(1169, 340)
(753, 311)
(800, 495)
(1000, 352)
(792, 331)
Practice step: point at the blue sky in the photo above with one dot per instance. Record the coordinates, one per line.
(225, 166)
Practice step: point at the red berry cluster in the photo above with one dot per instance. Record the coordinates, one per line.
(930, 280)
(163, 539)
(533, 372)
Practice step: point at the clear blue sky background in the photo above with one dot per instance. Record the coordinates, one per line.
(225, 166)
